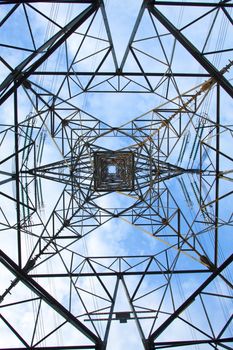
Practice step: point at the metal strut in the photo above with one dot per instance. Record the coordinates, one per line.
(22, 276)
(189, 300)
(216, 74)
(22, 71)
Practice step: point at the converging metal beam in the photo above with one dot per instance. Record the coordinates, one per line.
(194, 3)
(188, 301)
(216, 74)
(131, 39)
(23, 70)
(4, 2)
(48, 299)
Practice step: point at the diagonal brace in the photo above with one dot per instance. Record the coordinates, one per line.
(48, 299)
(189, 300)
(216, 74)
(20, 74)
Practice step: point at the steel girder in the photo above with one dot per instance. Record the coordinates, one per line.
(37, 289)
(176, 216)
(192, 49)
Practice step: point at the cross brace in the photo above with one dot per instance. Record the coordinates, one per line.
(188, 301)
(48, 299)
(216, 74)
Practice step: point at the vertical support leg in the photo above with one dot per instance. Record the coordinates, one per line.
(17, 185)
(217, 175)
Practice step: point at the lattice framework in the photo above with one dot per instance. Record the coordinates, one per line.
(160, 181)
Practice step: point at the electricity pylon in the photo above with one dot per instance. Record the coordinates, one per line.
(149, 195)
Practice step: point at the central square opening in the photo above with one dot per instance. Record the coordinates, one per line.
(114, 171)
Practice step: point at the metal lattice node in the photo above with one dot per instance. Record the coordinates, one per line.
(116, 174)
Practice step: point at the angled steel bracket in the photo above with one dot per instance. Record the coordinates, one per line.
(20, 74)
(216, 74)
(188, 301)
(48, 299)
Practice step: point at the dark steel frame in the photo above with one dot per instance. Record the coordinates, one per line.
(156, 210)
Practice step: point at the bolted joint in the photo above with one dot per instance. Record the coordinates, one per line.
(101, 346)
(149, 345)
(149, 3)
(66, 223)
(29, 265)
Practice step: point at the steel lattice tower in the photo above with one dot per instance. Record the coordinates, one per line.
(116, 232)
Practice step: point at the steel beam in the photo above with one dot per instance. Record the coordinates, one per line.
(162, 3)
(194, 3)
(76, 347)
(125, 74)
(217, 192)
(21, 72)
(121, 274)
(48, 299)
(5, 2)
(138, 20)
(13, 330)
(171, 344)
(216, 74)
(16, 176)
(189, 300)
